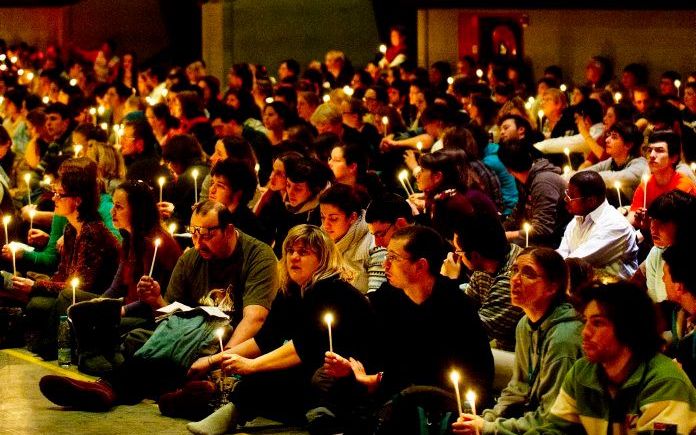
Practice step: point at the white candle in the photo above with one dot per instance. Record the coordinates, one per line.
(32, 213)
(5, 221)
(563, 87)
(172, 228)
(479, 73)
(220, 332)
(450, 80)
(677, 84)
(74, 283)
(158, 242)
(540, 114)
(617, 186)
(566, 151)
(419, 145)
(454, 377)
(646, 177)
(27, 180)
(13, 249)
(257, 168)
(383, 48)
(194, 174)
(617, 97)
(93, 114)
(471, 398)
(403, 177)
(160, 181)
(328, 318)
(527, 226)
(385, 123)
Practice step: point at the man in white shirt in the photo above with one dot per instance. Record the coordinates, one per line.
(598, 234)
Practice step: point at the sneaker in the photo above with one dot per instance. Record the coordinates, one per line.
(191, 402)
(88, 396)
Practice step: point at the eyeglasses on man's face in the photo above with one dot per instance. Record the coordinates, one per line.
(204, 232)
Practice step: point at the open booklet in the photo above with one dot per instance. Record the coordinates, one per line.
(177, 306)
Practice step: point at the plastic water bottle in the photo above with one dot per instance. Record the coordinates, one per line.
(64, 349)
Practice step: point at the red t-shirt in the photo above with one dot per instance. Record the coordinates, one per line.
(679, 181)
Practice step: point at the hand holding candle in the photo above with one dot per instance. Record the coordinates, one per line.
(160, 181)
(454, 377)
(328, 319)
(74, 283)
(471, 398)
(158, 242)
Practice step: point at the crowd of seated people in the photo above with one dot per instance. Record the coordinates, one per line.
(343, 248)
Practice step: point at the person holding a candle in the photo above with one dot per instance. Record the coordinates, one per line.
(283, 363)
(183, 155)
(14, 165)
(543, 190)
(88, 250)
(349, 164)
(59, 128)
(547, 345)
(664, 152)
(623, 383)
(162, 122)
(599, 234)
(425, 326)
(110, 165)
(138, 147)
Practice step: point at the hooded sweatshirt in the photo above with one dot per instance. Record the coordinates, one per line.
(543, 356)
(355, 248)
(545, 205)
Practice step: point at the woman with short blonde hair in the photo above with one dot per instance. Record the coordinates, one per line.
(110, 166)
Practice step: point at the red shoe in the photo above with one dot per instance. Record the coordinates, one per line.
(87, 396)
(191, 402)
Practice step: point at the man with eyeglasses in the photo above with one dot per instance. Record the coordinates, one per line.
(599, 233)
(223, 258)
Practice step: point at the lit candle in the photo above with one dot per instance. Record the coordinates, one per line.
(73, 82)
(93, 114)
(348, 90)
(403, 175)
(77, 149)
(471, 398)
(403, 184)
(540, 114)
(269, 100)
(693, 166)
(566, 170)
(479, 73)
(194, 174)
(158, 242)
(563, 87)
(383, 48)
(27, 180)
(257, 168)
(617, 186)
(46, 100)
(101, 110)
(566, 151)
(419, 145)
(13, 249)
(385, 123)
(172, 228)
(677, 84)
(328, 318)
(617, 97)
(104, 126)
(527, 226)
(646, 177)
(5, 221)
(20, 72)
(450, 80)
(74, 283)
(326, 98)
(32, 214)
(220, 332)
(454, 377)
(160, 181)
(30, 76)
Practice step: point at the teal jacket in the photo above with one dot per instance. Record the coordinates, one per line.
(543, 356)
(508, 186)
(47, 259)
(658, 391)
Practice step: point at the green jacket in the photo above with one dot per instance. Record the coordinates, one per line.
(542, 358)
(658, 391)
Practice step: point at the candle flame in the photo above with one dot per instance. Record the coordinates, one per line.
(645, 178)
(566, 169)
(32, 213)
(6, 219)
(617, 185)
(74, 282)
(194, 173)
(454, 376)
(348, 90)
(419, 145)
(540, 113)
(326, 98)
(269, 100)
(158, 242)
(527, 226)
(27, 177)
(160, 181)
(470, 396)
(403, 175)
(101, 110)
(328, 318)
(220, 332)
(450, 80)
(479, 73)
(677, 83)
(172, 228)
(385, 120)
(618, 97)
(92, 111)
(563, 87)
(13, 247)
(566, 151)
(383, 48)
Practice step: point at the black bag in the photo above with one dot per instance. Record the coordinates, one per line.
(419, 410)
(12, 327)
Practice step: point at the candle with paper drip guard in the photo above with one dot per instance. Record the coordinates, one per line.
(617, 186)
(566, 151)
(471, 398)
(13, 249)
(158, 242)
(403, 177)
(527, 226)
(454, 377)
(219, 333)
(328, 319)
(160, 181)
(645, 177)
(6, 221)
(74, 283)
(27, 180)
(32, 214)
(194, 174)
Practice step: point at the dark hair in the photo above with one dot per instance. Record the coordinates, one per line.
(640, 72)
(239, 148)
(243, 71)
(288, 94)
(671, 138)
(58, 108)
(225, 217)
(292, 65)
(144, 218)
(632, 313)
(554, 267)
(283, 111)
(143, 130)
(79, 178)
(191, 104)
(183, 150)
(423, 242)
(161, 112)
(590, 184)
(388, 208)
(520, 121)
(515, 155)
(623, 112)
(451, 163)
(90, 132)
(485, 236)
(239, 176)
(4, 136)
(342, 197)
(355, 154)
(436, 112)
(122, 90)
(676, 207)
(590, 108)
(487, 108)
(310, 171)
(629, 134)
(678, 258)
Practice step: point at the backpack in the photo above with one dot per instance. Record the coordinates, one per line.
(418, 410)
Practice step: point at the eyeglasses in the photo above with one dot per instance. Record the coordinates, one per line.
(569, 199)
(383, 232)
(392, 257)
(204, 232)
